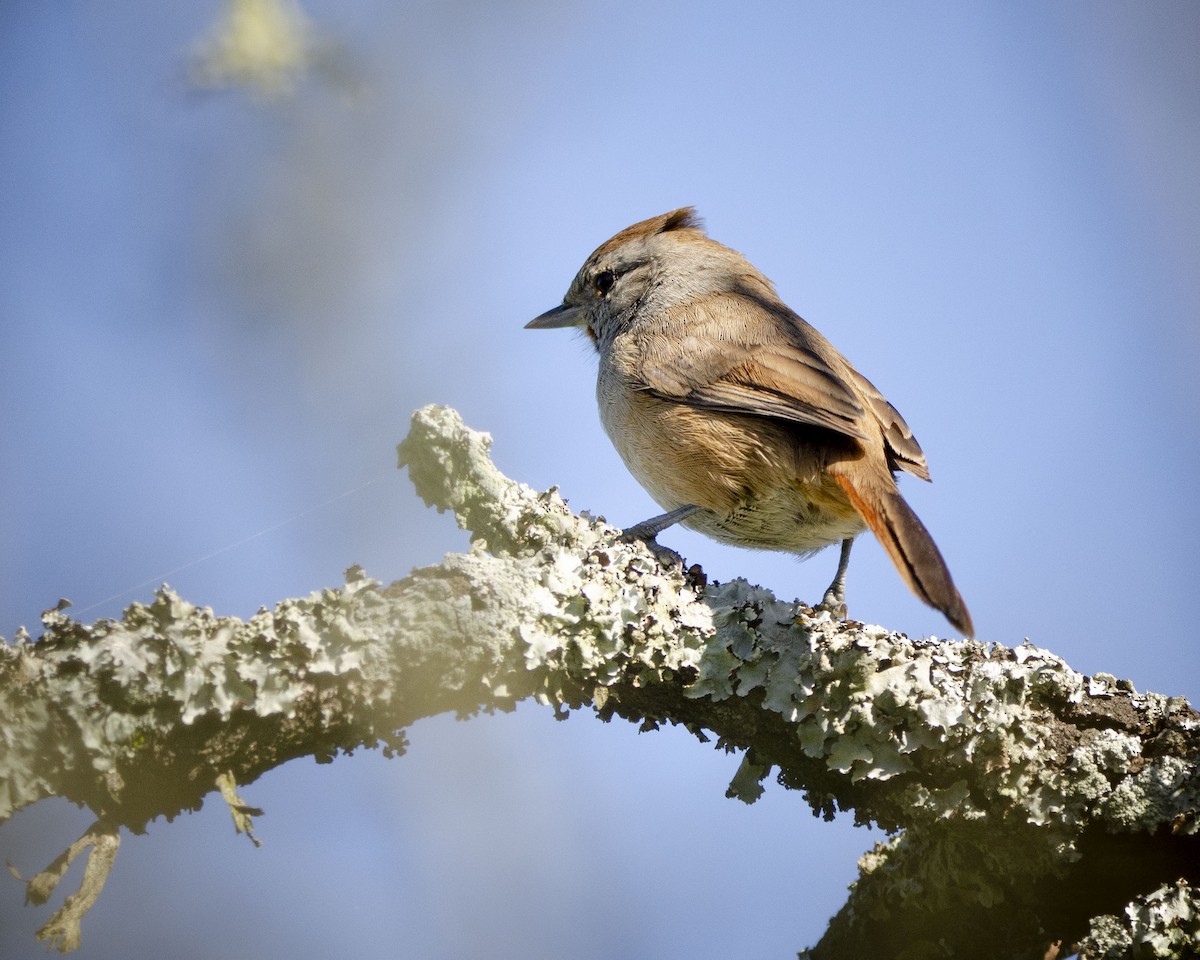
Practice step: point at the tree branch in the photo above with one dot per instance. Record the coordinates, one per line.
(1015, 779)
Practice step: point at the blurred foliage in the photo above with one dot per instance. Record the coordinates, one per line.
(263, 45)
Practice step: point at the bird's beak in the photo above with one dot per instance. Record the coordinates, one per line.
(560, 316)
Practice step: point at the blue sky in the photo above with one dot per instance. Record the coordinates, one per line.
(216, 315)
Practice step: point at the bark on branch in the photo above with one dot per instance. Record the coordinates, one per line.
(1032, 805)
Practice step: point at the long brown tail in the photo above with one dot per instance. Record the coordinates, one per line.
(910, 546)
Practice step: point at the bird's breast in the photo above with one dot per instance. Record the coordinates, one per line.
(759, 482)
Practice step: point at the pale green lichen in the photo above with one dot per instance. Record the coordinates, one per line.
(92, 698)
(878, 706)
(265, 45)
(1162, 792)
(932, 735)
(601, 608)
(1164, 925)
(872, 704)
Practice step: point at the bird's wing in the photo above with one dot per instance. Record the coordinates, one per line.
(730, 357)
(901, 443)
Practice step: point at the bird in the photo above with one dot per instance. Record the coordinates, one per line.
(737, 416)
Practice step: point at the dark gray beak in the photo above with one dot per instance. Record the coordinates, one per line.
(560, 316)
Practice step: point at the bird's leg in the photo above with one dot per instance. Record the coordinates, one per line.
(835, 597)
(647, 530)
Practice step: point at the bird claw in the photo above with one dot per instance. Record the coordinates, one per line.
(832, 605)
(647, 530)
(664, 555)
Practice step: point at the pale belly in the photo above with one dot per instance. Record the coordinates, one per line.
(758, 483)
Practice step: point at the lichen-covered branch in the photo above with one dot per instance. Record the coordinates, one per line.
(1012, 776)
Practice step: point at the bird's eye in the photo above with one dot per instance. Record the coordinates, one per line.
(604, 282)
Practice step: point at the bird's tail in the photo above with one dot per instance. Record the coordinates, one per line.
(910, 546)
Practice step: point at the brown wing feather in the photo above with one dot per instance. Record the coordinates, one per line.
(731, 358)
(906, 452)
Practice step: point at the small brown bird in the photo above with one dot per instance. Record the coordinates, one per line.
(738, 417)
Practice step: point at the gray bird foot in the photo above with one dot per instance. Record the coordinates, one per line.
(647, 530)
(834, 604)
(834, 600)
